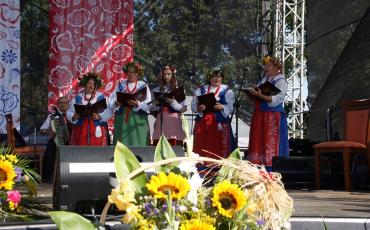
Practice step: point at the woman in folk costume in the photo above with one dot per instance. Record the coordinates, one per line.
(90, 82)
(131, 125)
(168, 121)
(269, 131)
(212, 131)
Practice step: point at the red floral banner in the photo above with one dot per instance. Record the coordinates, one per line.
(88, 35)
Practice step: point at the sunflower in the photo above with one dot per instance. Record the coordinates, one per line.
(161, 184)
(196, 224)
(228, 198)
(146, 225)
(7, 175)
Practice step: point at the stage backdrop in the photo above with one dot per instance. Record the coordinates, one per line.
(88, 35)
(9, 62)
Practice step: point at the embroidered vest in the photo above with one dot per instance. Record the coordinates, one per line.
(222, 100)
(122, 88)
(79, 101)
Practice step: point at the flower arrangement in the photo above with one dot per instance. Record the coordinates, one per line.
(91, 75)
(15, 175)
(241, 196)
(135, 67)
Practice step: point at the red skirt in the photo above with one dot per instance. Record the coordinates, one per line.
(79, 135)
(263, 136)
(212, 136)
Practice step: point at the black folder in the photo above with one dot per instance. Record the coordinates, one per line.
(97, 107)
(269, 89)
(139, 95)
(178, 94)
(208, 100)
(266, 88)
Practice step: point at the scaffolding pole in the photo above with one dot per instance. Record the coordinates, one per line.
(289, 43)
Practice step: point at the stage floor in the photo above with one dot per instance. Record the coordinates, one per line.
(329, 203)
(307, 203)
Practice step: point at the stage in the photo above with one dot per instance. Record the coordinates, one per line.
(337, 208)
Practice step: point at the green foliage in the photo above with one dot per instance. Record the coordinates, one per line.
(226, 172)
(163, 151)
(196, 36)
(34, 59)
(70, 221)
(125, 162)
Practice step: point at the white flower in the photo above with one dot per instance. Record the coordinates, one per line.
(195, 182)
(182, 208)
(188, 166)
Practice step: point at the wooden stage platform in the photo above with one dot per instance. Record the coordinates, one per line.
(312, 207)
(307, 203)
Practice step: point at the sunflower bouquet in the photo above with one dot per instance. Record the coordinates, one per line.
(15, 178)
(240, 196)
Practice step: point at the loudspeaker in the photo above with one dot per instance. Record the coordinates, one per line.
(299, 170)
(82, 175)
(301, 147)
(360, 171)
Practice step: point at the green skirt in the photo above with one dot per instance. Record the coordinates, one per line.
(132, 130)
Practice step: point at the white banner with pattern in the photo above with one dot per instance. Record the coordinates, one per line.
(9, 62)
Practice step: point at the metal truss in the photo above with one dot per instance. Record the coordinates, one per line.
(289, 42)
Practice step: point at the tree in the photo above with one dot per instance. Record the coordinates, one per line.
(197, 36)
(34, 61)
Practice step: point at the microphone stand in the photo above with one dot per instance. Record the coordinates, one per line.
(89, 116)
(161, 102)
(236, 106)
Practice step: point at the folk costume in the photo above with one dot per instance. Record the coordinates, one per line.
(79, 135)
(212, 131)
(269, 131)
(172, 127)
(131, 125)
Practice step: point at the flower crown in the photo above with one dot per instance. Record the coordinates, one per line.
(133, 67)
(266, 59)
(170, 67)
(212, 72)
(98, 81)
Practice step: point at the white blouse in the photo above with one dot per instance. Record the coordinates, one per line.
(143, 105)
(229, 97)
(174, 104)
(281, 84)
(105, 115)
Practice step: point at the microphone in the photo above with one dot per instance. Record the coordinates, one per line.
(189, 73)
(56, 111)
(247, 69)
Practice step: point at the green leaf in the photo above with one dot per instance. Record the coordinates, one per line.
(125, 162)
(235, 155)
(163, 151)
(70, 221)
(225, 171)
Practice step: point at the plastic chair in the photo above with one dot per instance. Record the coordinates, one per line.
(356, 139)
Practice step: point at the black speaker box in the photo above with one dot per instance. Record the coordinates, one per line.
(299, 169)
(82, 175)
(360, 171)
